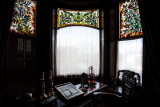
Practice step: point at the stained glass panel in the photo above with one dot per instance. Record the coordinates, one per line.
(23, 19)
(77, 17)
(130, 21)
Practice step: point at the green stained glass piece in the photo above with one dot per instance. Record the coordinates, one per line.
(130, 23)
(78, 17)
(23, 19)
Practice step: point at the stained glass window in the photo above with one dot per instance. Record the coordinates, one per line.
(130, 21)
(78, 17)
(23, 19)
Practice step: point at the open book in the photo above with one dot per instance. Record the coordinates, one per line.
(68, 90)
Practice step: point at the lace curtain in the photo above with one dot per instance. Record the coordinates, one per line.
(130, 55)
(77, 48)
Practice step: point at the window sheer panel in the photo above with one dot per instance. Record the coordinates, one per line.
(130, 55)
(78, 48)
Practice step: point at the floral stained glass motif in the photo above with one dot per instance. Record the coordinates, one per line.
(130, 21)
(23, 19)
(76, 17)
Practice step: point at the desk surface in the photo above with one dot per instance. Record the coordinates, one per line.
(92, 88)
(89, 90)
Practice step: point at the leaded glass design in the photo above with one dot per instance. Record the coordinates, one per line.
(23, 19)
(78, 17)
(130, 21)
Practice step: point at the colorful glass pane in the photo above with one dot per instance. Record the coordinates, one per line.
(130, 21)
(76, 17)
(23, 19)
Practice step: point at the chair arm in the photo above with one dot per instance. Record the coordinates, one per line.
(108, 97)
(106, 94)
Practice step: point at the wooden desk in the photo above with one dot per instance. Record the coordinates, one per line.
(79, 102)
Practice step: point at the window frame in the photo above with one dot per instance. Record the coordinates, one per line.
(54, 36)
(128, 38)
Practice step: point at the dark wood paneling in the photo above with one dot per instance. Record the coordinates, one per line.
(21, 65)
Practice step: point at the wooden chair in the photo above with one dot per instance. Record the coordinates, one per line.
(121, 90)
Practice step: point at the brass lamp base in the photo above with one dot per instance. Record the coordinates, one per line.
(51, 94)
(43, 96)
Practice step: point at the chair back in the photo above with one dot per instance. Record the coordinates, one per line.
(130, 82)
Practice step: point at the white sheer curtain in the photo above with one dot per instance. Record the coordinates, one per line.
(130, 55)
(78, 47)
